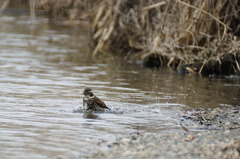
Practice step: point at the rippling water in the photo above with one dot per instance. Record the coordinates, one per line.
(43, 69)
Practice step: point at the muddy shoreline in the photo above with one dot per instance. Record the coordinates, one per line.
(219, 138)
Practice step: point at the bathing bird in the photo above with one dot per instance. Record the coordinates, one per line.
(91, 102)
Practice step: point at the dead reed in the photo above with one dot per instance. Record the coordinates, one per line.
(171, 32)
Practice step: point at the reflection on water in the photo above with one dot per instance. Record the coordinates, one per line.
(45, 67)
(89, 115)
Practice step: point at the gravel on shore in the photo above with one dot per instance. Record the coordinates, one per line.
(219, 140)
(208, 145)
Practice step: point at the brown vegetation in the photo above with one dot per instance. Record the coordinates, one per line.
(203, 35)
(191, 35)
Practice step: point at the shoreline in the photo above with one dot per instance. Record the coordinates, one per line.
(218, 141)
(211, 144)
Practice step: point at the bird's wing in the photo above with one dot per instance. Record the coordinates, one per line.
(100, 103)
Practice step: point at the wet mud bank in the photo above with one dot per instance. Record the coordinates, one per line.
(209, 134)
(213, 119)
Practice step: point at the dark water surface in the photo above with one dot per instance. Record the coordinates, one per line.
(43, 69)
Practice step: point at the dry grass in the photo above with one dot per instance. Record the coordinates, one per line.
(175, 32)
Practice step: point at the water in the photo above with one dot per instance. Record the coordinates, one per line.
(45, 67)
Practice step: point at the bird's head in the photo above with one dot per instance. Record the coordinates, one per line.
(87, 91)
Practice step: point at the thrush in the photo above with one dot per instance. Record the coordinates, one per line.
(91, 102)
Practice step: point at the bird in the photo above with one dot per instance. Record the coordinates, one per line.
(91, 102)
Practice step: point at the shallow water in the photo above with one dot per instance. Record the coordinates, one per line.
(44, 68)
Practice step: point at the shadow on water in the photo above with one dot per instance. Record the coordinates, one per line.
(45, 67)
